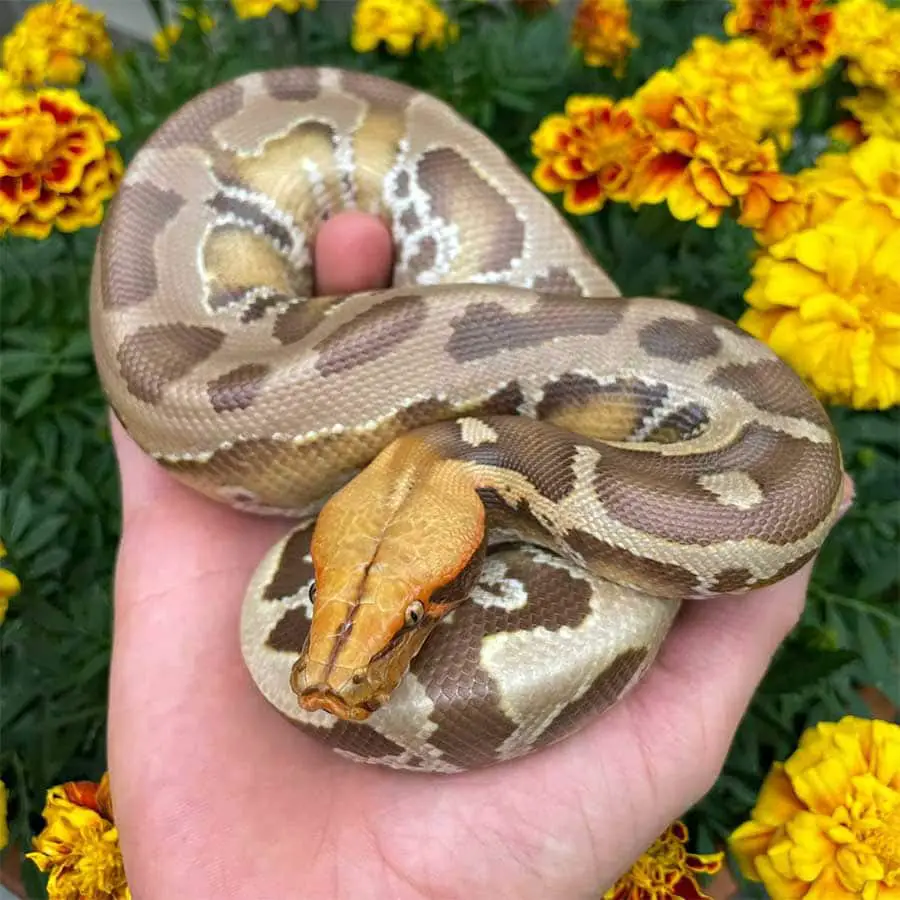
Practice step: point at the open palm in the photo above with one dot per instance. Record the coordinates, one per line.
(217, 796)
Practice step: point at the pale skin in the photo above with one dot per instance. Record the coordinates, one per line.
(216, 796)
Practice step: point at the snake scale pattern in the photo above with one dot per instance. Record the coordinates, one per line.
(545, 468)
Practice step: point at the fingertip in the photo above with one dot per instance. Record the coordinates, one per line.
(354, 252)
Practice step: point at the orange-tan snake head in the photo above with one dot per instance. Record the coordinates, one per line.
(394, 551)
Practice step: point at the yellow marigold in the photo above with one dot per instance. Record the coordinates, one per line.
(869, 35)
(9, 586)
(666, 871)
(827, 821)
(52, 41)
(601, 30)
(800, 31)
(165, 39)
(256, 9)
(825, 300)
(399, 24)
(79, 845)
(705, 155)
(876, 111)
(55, 165)
(740, 74)
(587, 154)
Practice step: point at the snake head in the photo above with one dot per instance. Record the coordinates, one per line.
(394, 552)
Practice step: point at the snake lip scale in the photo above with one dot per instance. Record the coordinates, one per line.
(507, 477)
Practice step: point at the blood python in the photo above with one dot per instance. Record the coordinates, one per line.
(525, 472)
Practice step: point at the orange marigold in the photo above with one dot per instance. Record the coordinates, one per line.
(601, 30)
(51, 42)
(666, 871)
(55, 165)
(877, 112)
(800, 31)
(704, 157)
(587, 153)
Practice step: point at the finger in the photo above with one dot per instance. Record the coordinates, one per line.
(354, 252)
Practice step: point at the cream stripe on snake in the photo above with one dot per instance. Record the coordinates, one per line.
(648, 452)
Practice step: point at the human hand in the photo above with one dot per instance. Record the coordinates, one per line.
(216, 795)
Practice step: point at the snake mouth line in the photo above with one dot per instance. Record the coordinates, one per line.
(324, 698)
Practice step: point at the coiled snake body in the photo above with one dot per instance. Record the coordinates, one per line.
(625, 454)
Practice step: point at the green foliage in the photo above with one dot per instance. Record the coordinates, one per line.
(60, 498)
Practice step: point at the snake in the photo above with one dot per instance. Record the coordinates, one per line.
(501, 477)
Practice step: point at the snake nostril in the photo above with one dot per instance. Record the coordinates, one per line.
(359, 676)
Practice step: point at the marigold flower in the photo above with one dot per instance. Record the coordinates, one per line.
(79, 845)
(825, 300)
(741, 75)
(869, 36)
(705, 156)
(800, 31)
(9, 587)
(257, 9)
(51, 42)
(876, 111)
(165, 39)
(827, 821)
(601, 30)
(588, 153)
(666, 871)
(55, 165)
(399, 24)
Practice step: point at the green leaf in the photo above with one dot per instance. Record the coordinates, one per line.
(35, 393)
(799, 667)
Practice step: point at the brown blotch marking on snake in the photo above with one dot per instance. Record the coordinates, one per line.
(504, 402)
(300, 318)
(371, 334)
(601, 695)
(409, 220)
(557, 280)
(621, 565)
(157, 355)
(401, 189)
(485, 327)
(238, 388)
(611, 411)
(424, 257)
(286, 85)
(771, 387)
(289, 632)
(449, 663)
(294, 571)
(254, 216)
(661, 495)
(731, 580)
(453, 185)
(542, 453)
(678, 340)
(138, 212)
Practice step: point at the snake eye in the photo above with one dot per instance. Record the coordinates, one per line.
(312, 593)
(414, 612)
